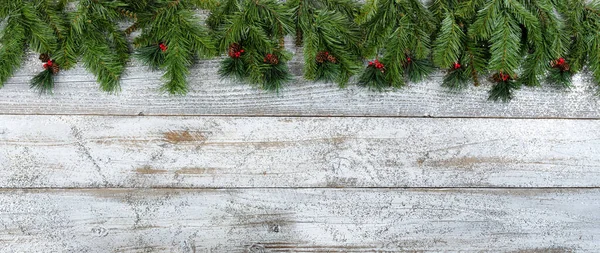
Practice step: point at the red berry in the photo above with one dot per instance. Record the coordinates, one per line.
(45, 65)
(50, 63)
(456, 65)
(561, 61)
(163, 47)
(408, 59)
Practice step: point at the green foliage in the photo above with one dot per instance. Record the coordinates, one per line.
(12, 49)
(259, 26)
(515, 37)
(449, 43)
(233, 67)
(560, 78)
(275, 76)
(398, 30)
(503, 90)
(328, 26)
(520, 41)
(101, 44)
(24, 27)
(456, 79)
(43, 82)
(374, 79)
(173, 25)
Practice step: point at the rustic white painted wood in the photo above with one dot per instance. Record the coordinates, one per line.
(300, 220)
(77, 93)
(93, 151)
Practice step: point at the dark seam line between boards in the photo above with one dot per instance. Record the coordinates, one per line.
(302, 116)
(292, 188)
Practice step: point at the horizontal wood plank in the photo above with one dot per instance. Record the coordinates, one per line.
(300, 220)
(78, 93)
(108, 151)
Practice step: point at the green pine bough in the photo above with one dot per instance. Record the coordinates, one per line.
(386, 43)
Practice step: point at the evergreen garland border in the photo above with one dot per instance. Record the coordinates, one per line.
(384, 42)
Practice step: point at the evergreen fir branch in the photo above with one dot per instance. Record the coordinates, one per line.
(556, 35)
(476, 59)
(467, 9)
(12, 49)
(382, 23)
(40, 34)
(503, 91)
(521, 14)
(99, 59)
(418, 69)
(560, 78)
(67, 52)
(43, 82)
(485, 23)
(421, 41)
(275, 76)
(176, 65)
(505, 53)
(374, 79)
(440, 8)
(218, 17)
(151, 56)
(336, 35)
(104, 56)
(172, 38)
(367, 11)
(534, 67)
(310, 51)
(233, 68)
(205, 4)
(119, 44)
(456, 79)
(594, 55)
(395, 53)
(449, 44)
(52, 13)
(348, 8)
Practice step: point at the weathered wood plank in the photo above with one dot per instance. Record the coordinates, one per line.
(93, 151)
(77, 93)
(300, 220)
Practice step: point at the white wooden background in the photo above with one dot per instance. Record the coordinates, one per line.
(315, 168)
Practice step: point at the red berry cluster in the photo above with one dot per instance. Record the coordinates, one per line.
(561, 64)
(163, 47)
(501, 77)
(49, 63)
(235, 50)
(377, 64)
(271, 59)
(325, 56)
(456, 65)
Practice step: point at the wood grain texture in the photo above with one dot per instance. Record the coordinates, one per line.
(300, 220)
(93, 151)
(78, 93)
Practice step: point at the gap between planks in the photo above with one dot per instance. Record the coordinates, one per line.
(295, 116)
(567, 188)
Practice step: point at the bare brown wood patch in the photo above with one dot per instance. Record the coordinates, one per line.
(465, 162)
(184, 136)
(147, 170)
